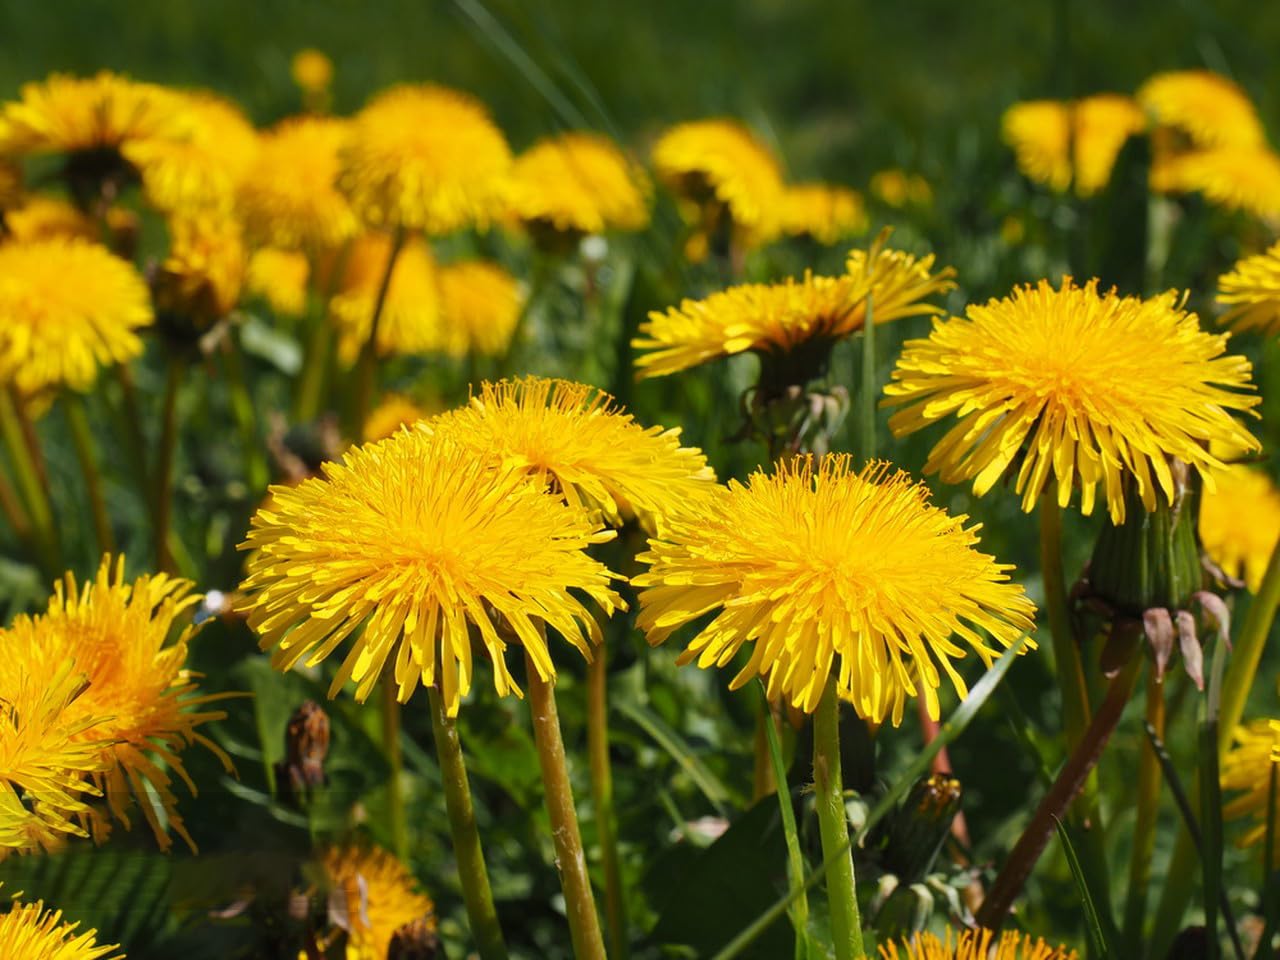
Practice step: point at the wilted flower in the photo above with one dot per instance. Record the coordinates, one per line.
(825, 572)
(30, 932)
(425, 158)
(1240, 522)
(416, 539)
(1073, 143)
(66, 307)
(410, 319)
(1090, 387)
(378, 895)
(480, 305)
(977, 944)
(822, 211)
(280, 278)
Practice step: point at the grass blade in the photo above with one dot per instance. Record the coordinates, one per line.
(1211, 803)
(1270, 913)
(1102, 944)
(799, 911)
(712, 787)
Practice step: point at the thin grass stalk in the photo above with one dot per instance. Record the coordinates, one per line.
(86, 454)
(1211, 802)
(763, 781)
(395, 761)
(134, 439)
(367, 364)
(615, 901)
(869, 391)
(163, 493)
(571, 861)
(15, 513)
(799, 910)
(244, 412)
(833, 826)
(30, 437)
(1066, 787)
(34, 493)
(1144, 829)
(477, 896)
(1270, 910)
(319, 347)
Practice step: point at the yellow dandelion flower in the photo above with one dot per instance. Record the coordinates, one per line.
(417, 539)
(824, 212)
(280, 278)
(1240, 522)
(977, 944)
(817, 568)
(1246, 768)
(577, 182)
(312, 70)
(66, 307)
(203, 169)
(381, 896)
(1206, 107)
(30, 932)
(41, 217)
(480, 305)
(395, 411)
(576, 438)
(782, 317)
(1251, 291)
(425, 158)
(1236, 178)
(722, 161)
(410, 320)
(289, 196)
(117, 633)
(896, 188)
(1059, 143)
(1090, 387)
(49, 752)
(201, 278)
(65, 114)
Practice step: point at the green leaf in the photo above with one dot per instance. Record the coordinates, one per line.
(1102, 944)
(711, 786)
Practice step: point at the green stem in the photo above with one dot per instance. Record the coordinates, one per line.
(34, 493)
(14, 512)
(82, 440)
(615, 902)
(1144, 830)
(315, 362)
(799, 910)
(133, 436)
(571, 862)
(367, 364)
(833, 825)
(762, 779)
(163, 494)
(395, 760)
(472, 875)
(242, 408)
(1069, 782)
(869, 389)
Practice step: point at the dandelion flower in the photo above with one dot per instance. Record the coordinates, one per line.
(280, 278)
(1064, 144)
(820, 569)
(204, 168)
(417, 539)
(30, 932)
(49, 752)
(977, 944)
(311, 70)
(42, 217)
(1235, 178)
(117, 634)
(896, 188)
(1251, 291)
(590, 451)
(721, 161)
(201, 278)
(66, 307)
(410, 319)
(425, 158)
(289, 196)
(1247, 768)
(381, 897)
(1090, 387)
(395, 411)
(1240, 522)
(1206, 107)
(822, 211)
(480, 305)
(784, 317)
(577, 182)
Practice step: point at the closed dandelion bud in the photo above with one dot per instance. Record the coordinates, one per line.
(918, 829)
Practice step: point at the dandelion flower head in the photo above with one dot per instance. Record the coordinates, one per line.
(312, 70)
(410, 319)
(897, 188)
(1076, 143)
(280, 278)
(1246, 770)
(395, 411)
(28, 931)
(480, 305)
(425, 158)
(381, 896)
(201, 278)
(1088, 387)
(417, 540)
(40, 217)
(977, 944)
(822, 211)
(1246, 179)
(825, 572)
(578, 182)
(56, 333)
(1251, 292)
(575, 438)
(1240, 522)
(1206, 107)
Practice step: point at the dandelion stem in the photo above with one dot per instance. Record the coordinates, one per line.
(395, 761)
(315, 361)
(762, 779)
(1066, 786)
(472, 875)
(869, 390)
(367, 364)
(34, 493)
(14, 512)
(133, 437)
(833, 825)
(1144, 830)
(242, 408)
(82, 440)
(571, 862)
(615, 903)
(799, 910)
(164, 465)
